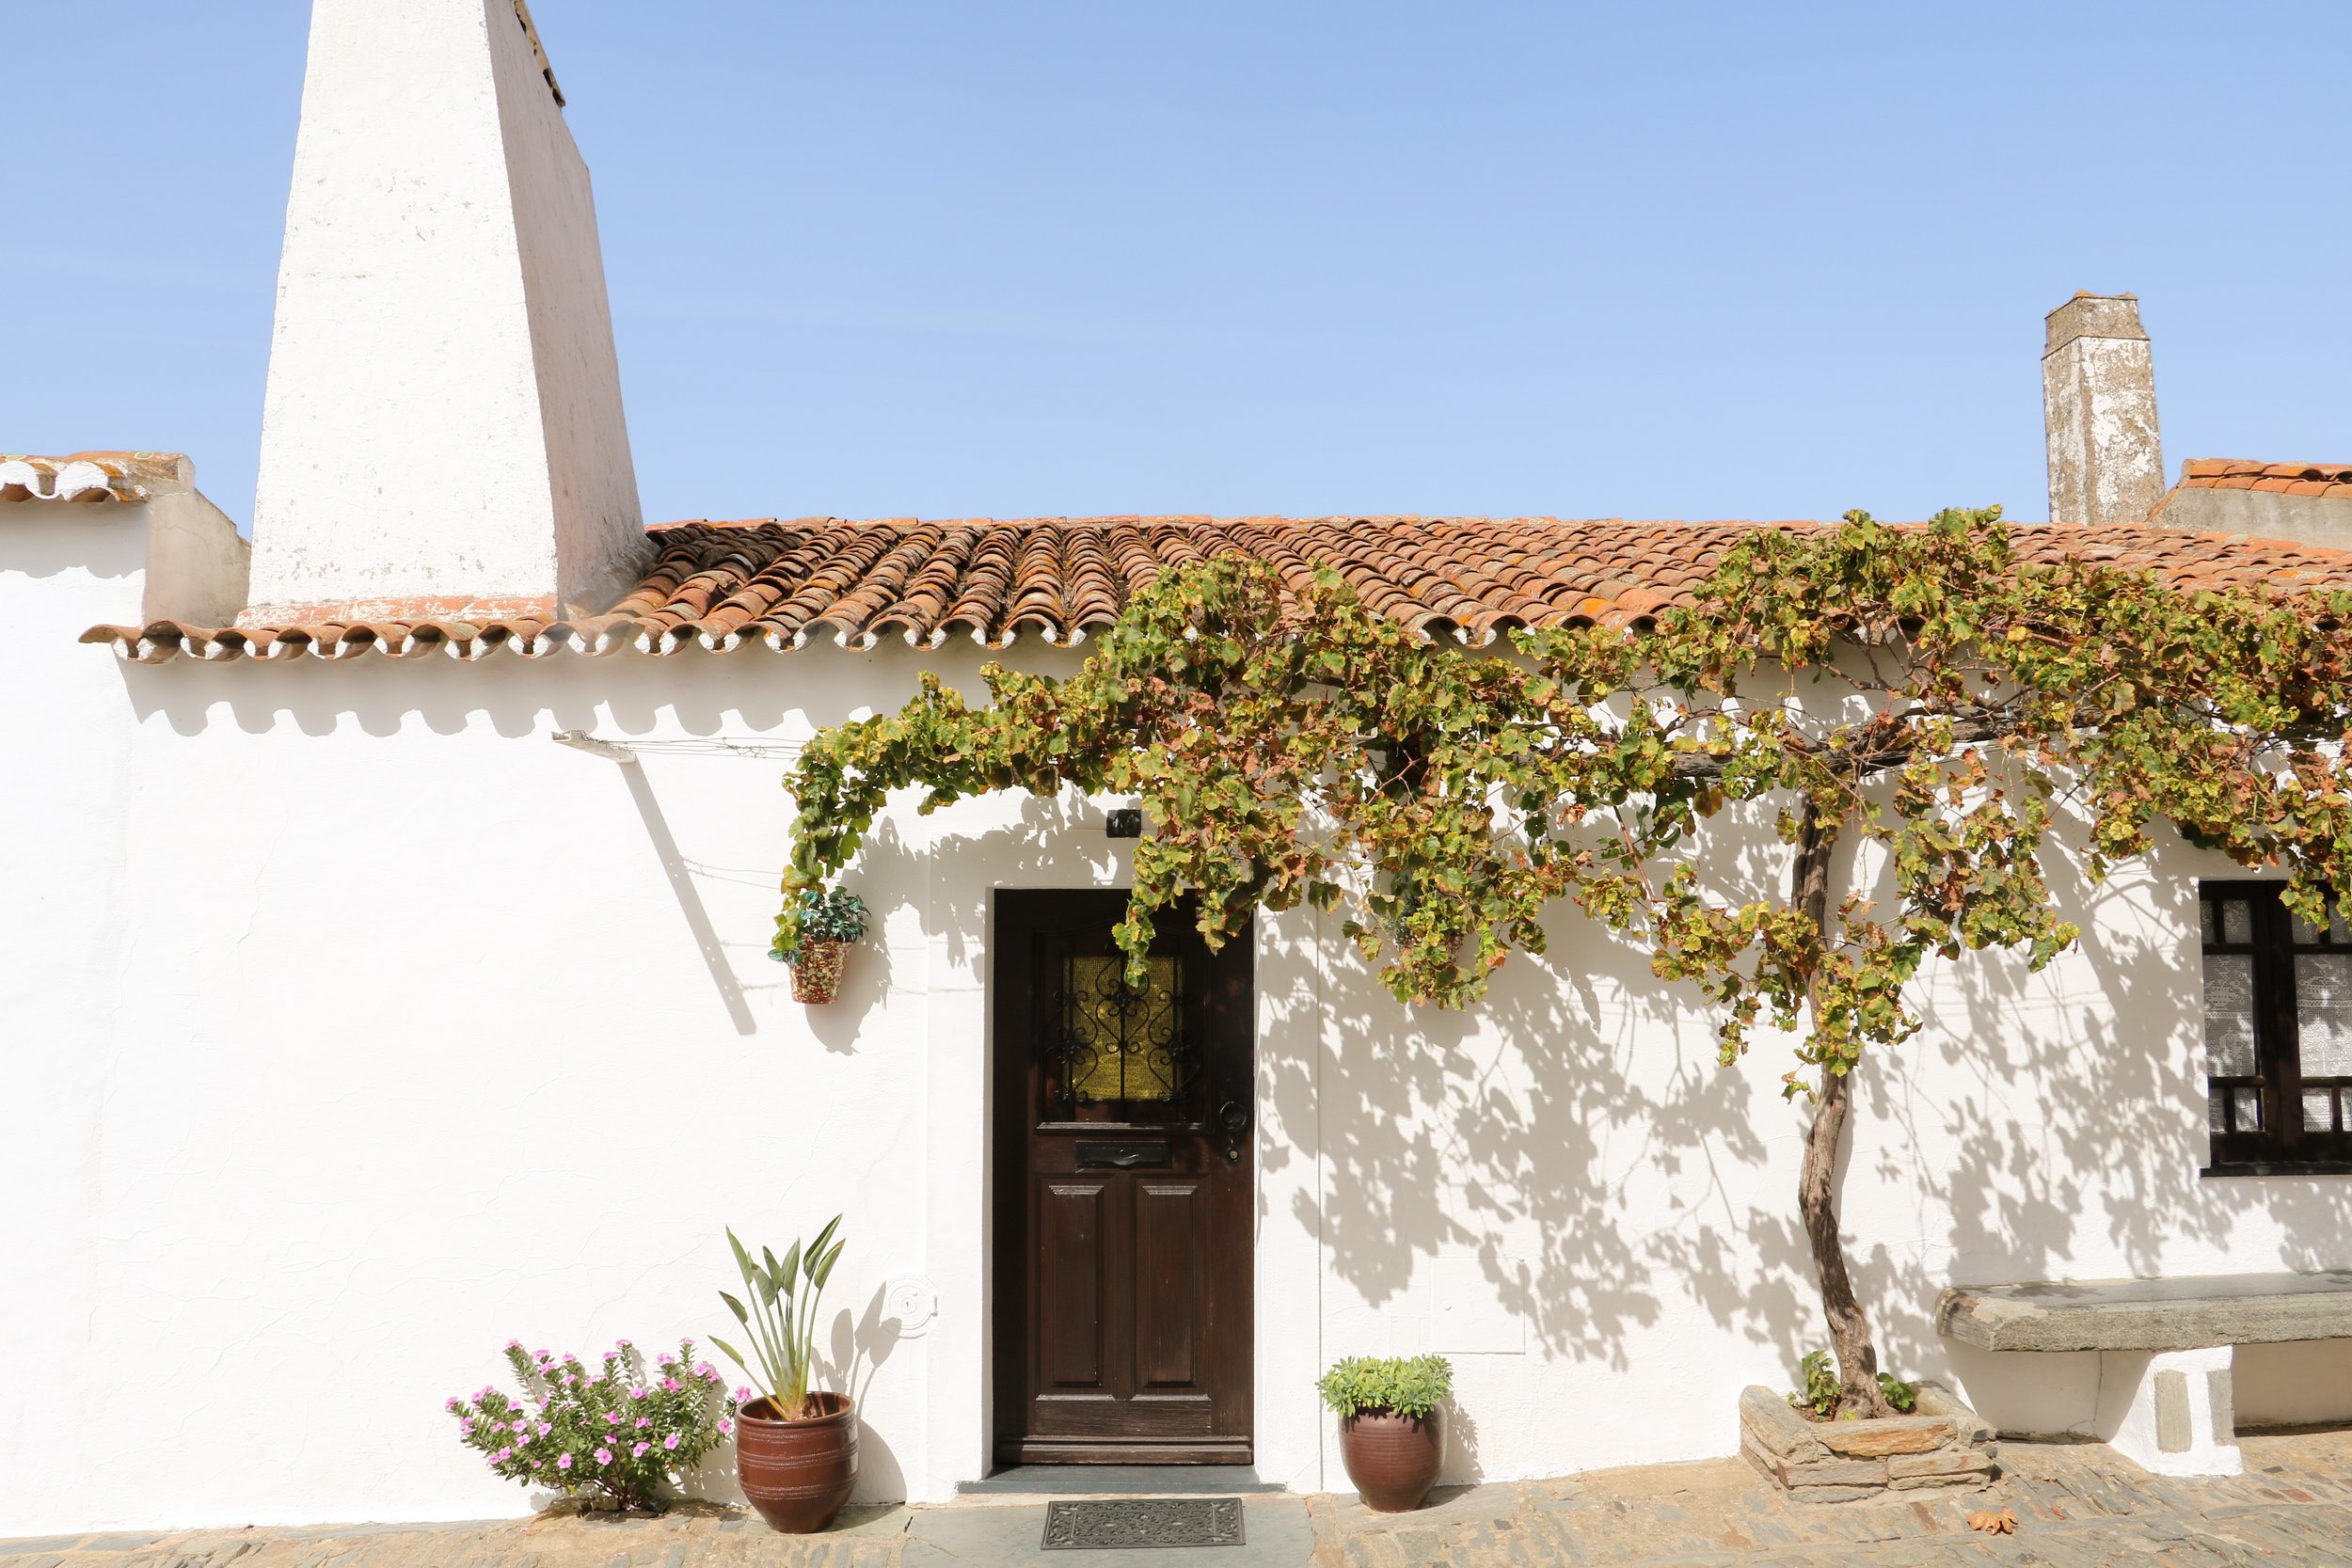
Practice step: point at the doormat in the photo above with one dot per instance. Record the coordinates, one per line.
(1088, 1524)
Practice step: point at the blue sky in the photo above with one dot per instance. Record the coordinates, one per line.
(953, 259)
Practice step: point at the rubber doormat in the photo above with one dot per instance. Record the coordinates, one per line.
(1100, 1524)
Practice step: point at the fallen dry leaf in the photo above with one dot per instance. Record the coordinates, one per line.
(2003, 1523)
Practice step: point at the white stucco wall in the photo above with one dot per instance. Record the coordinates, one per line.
(357, 1026)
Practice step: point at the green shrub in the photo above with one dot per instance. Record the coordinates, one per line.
(1821, 1391)
(827, 914)
(1402, 1385)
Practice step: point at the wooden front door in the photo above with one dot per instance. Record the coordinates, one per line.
(1124, 1176)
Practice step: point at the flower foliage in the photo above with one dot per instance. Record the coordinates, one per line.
(1400, 1385)
(618, 1428)
(1923, 691)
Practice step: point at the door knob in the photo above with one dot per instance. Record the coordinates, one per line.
(1233, 1116)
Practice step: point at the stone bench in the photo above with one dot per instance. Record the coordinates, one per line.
(2165, 1346)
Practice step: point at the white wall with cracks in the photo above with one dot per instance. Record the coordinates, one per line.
(353, 1026)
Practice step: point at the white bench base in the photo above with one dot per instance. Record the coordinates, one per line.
(2171, 1412)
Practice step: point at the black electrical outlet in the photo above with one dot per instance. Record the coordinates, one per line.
(1124, 822)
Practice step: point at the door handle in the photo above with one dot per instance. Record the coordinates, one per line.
(1233, 1117)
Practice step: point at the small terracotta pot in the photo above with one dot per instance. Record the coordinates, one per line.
(816, 971)
(798, 1474)
(1392, 1459)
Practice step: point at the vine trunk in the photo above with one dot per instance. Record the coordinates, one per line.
(1817, 1178)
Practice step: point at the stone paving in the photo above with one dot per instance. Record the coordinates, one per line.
(2078, 1505)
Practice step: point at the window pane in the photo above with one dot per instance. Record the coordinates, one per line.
(2216, 1110)
(2317, 1112)
(2237, 922)
(2204, 921)
(2337, 930)
(2250, 1109)
(2230, 1013)
(2305, 934)
(2323, 1012)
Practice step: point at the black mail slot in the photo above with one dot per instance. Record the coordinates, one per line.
(1132, 1155)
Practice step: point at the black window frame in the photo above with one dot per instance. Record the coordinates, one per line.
(2282, 1146)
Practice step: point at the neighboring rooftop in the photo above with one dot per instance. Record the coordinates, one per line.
(777, 585)
(87, 475)
(2332, 480)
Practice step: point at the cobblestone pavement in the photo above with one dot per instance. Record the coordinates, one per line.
(2078, 1505)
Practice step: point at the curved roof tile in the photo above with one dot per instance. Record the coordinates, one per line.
(777, 585)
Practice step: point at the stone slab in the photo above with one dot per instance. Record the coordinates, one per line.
(2151, 1314)
(1947, 1462)
(1888, 1435)
(1773, 1425)
(1837, 1472)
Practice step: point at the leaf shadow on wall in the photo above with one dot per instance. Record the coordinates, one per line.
(2065, 1128)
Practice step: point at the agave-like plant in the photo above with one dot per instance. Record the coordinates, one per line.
(782, 1317)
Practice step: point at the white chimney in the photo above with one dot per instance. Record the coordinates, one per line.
(2099, 412)
(442, 433)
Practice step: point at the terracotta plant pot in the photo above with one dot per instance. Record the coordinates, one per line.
(797, 1474)
(816, 971)
(1392, 1459)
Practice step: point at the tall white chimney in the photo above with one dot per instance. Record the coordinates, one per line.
(2099, 412)
(442, 433)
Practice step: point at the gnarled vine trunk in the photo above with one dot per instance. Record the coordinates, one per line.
(1817, 1177)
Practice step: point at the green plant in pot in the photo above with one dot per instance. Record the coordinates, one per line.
(1391, 1425)
(795, 1446)
(814, 935)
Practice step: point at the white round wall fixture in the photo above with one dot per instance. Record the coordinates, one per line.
(913, 1302)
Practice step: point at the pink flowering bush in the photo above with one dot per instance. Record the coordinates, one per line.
(618, 1427)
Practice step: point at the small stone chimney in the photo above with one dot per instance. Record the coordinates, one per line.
(442, 431)
(2099, 412)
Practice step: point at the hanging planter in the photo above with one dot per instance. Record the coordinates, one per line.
(816, 971)
(814, 935)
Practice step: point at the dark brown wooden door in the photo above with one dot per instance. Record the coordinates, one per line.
(1125, 1176)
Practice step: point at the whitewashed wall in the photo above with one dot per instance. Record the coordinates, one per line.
(354, 1026)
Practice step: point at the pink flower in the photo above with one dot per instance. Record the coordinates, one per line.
(671, 1384)
(622, 1343)
(671, 1441)
(564, 1463)
(501, 1456)
(451, 1403)
(643, 1421)
(545, 1429)
(570, 1360)
(742, 1396)
(604, 1456)
(726, 1427)
(707, 1372)
(612, 1418)
(466, 1425)
(639, 1451)
(514, 1344)
(545, 1359)
(638, 1392)
(666, 1359)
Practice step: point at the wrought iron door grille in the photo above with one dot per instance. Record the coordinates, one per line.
(1118, 1043)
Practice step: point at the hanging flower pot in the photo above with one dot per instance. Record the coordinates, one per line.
(814, 935)
(816, 971)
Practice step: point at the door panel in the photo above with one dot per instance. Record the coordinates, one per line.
(1167, 1257)
(1071, 1259)
(1123, 1183)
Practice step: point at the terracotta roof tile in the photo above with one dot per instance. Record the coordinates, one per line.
(776, 584)
(87, 475)
(2296, 478)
